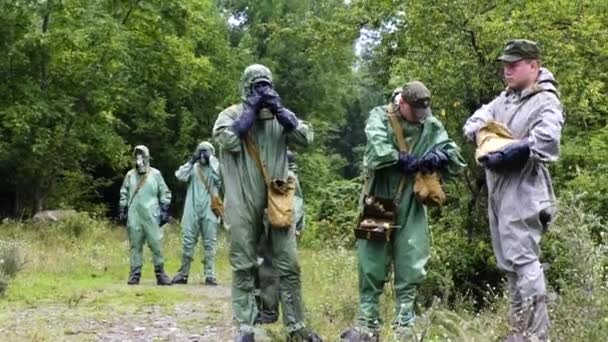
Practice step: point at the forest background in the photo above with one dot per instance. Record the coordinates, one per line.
(82, 82)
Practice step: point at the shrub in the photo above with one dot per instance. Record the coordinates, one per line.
(11, 262)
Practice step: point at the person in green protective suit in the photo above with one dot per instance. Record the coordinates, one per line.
(267, 277)
(263, 119)
(144, 206)
(202, 174)
(408, 250)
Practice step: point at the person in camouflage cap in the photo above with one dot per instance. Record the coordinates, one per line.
(521, 201)
(262, 118)
(385, 166)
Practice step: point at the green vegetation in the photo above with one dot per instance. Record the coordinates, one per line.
(77, 270)
(82, 82)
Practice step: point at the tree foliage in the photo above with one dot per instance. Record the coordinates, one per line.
(82, 82)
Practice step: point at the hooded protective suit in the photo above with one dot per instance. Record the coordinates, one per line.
(143, 204)
(521, 203)
(198, 219)
(245, 201)
(409, 248)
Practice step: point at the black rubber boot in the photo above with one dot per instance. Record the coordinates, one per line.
(161, 277)
(134, 276)
(267, 317)
(304, 335)
(180, 278)
(245, 337)
(210, 281)
(354, 335)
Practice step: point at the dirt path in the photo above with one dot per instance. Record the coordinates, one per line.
(206, 318)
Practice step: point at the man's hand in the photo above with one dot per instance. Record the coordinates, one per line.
(272, 101)
(122, 215)
(510, 158)
(434, 160)
(251, 106)
(195, 157)
(164, 215)
(408, 162)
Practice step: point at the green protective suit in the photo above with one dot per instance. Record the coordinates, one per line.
(245, 202)
(409, 249)
(267, 276)
(143, 209)
(198, 219)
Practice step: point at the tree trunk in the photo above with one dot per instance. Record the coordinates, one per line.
(17, 205)
(39, 200)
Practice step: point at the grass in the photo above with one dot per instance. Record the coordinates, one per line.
(73, 284)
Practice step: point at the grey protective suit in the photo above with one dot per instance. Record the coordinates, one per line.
(522, 203)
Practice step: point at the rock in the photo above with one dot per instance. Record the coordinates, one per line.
(54, 215)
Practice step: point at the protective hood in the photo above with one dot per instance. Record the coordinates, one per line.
(205, 145)
(145, 152)
(252, 74)
(213, 162)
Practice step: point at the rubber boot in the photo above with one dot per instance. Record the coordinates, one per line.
(180, 279)
(134, 276)
(355, 335)
(267, 317)
(210, 281)
(304, 335)
(161, 277)
(245, 337)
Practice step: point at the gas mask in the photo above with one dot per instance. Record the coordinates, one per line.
(204, 157)
(261, 88)
(140, 163)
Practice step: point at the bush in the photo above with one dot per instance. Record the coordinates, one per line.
(73, 227)
(578, 273)
(334, 215)
(11, 262)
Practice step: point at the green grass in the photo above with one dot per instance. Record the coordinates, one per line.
(76, 272)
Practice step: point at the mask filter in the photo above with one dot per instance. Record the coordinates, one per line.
(140, 164)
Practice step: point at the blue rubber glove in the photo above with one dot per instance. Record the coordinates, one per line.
(195, 157)
(434, 160)
(164, 215)
(290, 157)
(408, 162)
(251, 106)
(122, 215)
(286, 118)
(511, 158)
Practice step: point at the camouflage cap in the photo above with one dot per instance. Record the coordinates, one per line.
(416, 94)
(519, 49)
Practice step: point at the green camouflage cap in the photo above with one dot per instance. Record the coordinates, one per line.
(416, 94)
(519, 49)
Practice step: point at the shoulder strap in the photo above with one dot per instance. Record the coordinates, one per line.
(398, 131)
(253, 153)
(140, 183)
(394, 121)
(203, 179)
